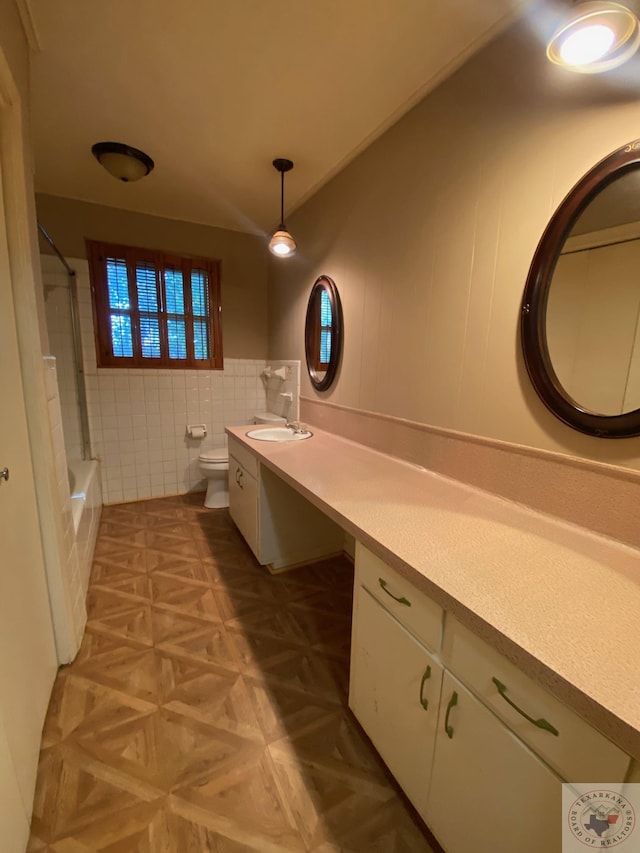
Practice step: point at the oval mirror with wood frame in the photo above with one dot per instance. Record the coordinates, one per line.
(580, 325)
(323, 333)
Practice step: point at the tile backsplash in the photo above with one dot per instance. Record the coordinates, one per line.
(138, 418)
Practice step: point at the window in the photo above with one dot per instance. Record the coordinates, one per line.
(321, 329)
(154, 310)
(325, 325)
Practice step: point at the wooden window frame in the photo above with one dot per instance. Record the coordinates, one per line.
(318, 329)
(97, 252)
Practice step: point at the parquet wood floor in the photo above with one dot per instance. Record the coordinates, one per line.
(207, 708)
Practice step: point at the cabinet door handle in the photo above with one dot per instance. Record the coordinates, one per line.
(400, 599)
(452, 703)
(427, 675)
(239, 473)
(541, 723)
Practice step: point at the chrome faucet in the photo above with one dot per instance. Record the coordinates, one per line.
(296, 426)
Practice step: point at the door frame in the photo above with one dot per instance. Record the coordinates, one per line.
(18, 199)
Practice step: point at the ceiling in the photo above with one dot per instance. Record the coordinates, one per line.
(213, 90)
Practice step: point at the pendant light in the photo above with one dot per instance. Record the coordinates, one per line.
(282, 244)
(597, 36)
(122, 161)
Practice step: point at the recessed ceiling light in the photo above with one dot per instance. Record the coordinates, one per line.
(597, 36)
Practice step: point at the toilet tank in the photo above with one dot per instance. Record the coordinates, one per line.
(268, 418)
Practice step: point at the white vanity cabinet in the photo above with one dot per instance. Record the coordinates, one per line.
(568, 744)
(396, 676)
(488, 790)
(484, 759)
(243, 493)
(281, 527)
(394, 690)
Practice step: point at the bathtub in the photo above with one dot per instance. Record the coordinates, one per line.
(86, 506)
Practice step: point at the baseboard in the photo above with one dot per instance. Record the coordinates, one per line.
(278, 570)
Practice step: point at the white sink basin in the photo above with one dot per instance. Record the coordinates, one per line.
(278, 434)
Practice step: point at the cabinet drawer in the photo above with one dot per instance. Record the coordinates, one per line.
(248, 461)
(577, 752)
(412, 608)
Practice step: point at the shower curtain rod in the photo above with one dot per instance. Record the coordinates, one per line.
(49, 240)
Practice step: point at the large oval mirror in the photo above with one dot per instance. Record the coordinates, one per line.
(581, 307)
(323, 333)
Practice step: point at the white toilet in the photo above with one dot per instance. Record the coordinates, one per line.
(214, 465)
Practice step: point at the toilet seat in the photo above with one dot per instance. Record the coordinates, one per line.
(217, 454)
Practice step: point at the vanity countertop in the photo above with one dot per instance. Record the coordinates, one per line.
(561, 602)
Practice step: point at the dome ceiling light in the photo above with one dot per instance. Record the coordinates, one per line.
(282, 244)
(598, 35)
(122, 161)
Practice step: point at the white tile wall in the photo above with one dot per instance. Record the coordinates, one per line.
(138, 418)
(138, 421)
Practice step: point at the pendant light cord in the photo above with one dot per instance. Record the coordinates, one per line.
(282, 200)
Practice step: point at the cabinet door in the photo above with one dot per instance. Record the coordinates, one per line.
(394, 691)
(488, 790)
(243, 503)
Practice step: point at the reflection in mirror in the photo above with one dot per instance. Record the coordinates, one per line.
(581, 306)
(323, 333)
(593, 333)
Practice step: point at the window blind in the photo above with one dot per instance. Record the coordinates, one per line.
(154, 310)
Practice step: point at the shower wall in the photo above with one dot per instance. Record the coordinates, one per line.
(58, 315)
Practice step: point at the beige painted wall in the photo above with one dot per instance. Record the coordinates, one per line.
(243, 257)
(429, 235)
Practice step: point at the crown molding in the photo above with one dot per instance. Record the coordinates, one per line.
(603, 237)
(29, 25)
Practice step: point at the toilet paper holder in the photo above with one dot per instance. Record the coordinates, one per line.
(196, 430)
